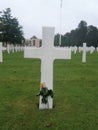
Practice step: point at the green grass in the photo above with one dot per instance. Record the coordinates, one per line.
(75, 94)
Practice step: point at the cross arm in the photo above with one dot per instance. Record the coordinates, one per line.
(62, 53)
(31, 52)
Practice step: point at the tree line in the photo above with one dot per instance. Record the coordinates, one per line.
(10, 30)
(82, 34)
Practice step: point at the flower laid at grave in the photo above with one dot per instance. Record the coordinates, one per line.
(44, 92)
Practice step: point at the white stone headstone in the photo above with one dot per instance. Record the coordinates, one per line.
(8, 48)
(12, 48)
(80, 49)
(74, 49)
(47, 53)
(97, 49)
(0, 51)
(92, 49)
(84, 53)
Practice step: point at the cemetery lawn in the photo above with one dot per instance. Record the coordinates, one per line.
(75, 94)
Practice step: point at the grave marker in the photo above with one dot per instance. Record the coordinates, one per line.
(47, 53)
(8, 48)
(84, 53)
(92, 49)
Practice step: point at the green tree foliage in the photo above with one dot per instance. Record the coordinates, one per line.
(78, 36)
(92, 36)
(56, 43)
(10, 30)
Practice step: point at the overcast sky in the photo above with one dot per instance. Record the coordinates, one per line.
(33, 14)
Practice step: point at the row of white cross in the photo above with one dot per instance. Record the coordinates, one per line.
(12, 48)
(90, 49)
(75, 49)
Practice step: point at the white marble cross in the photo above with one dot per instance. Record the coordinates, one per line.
(47, 53)
(0, 51)
(84, 53)
(8, 48)
(92, 49)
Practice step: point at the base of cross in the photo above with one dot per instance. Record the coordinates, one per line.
(48, 105)
(46, 97)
